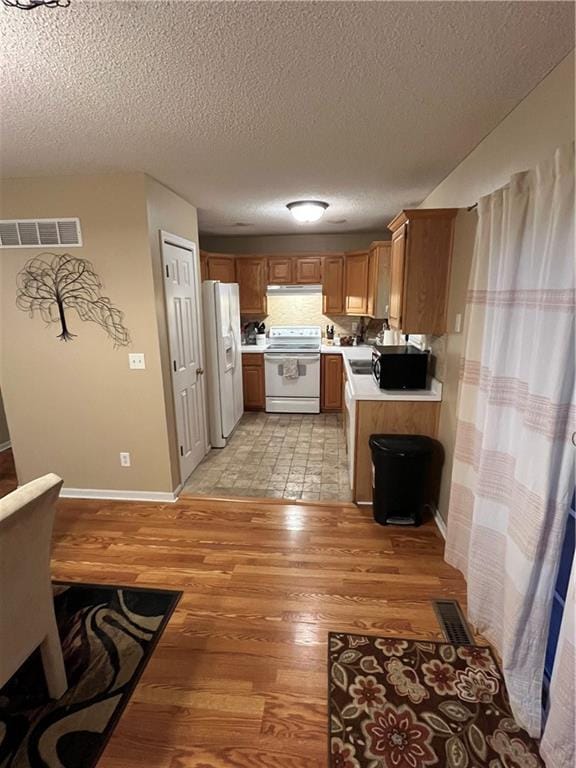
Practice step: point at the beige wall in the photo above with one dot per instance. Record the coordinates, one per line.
(73, 406)
(543, 121)
(291, 243)
(4, 434)
(168, 212)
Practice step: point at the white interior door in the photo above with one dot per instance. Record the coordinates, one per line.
(182, 293)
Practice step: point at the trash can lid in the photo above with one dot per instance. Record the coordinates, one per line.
(407, 445)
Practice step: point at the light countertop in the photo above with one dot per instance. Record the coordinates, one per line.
(364, 351)
(363, 387)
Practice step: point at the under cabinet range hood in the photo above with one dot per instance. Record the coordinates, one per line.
(292, 290)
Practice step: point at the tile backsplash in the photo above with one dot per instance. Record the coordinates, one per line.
(307, 310)
(303, 310)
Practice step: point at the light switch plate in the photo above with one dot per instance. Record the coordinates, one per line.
(136, 360)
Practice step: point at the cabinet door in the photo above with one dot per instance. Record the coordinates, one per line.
(378, 279)
(397, 258)
(308, 269)
(251, 274)
(331, 381)
(253, 382)
(333, 285)
(372, 282)
(357, 283)
(280, 271)
(221, 268)
(427, 275)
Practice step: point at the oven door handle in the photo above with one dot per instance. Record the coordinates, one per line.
(302, 358)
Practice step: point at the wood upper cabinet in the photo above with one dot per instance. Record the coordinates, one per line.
(420, 269)
(333, 285)
(308, 270)
(397, 278)
(357, 283)
(253, 381)
(294, 270)
(280, 270)
(252, 277)
(203, 266)
(331, 389)
(221, 267)
(378, 279)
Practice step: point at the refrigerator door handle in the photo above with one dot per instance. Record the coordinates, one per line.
(234, 348)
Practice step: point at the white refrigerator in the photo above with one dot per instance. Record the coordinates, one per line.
(223, 358)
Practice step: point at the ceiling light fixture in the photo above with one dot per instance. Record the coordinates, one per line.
(28, 5)
(307, 211)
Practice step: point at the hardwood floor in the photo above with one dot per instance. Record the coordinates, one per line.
(239, 677)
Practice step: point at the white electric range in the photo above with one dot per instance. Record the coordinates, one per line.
(292, 369)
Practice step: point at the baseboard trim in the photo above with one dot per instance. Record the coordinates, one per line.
(93, 493)
(5, 446)
(270, 501)
(440, 524)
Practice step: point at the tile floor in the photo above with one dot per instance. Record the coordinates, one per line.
(290, 456)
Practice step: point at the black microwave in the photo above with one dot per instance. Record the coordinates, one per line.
(403, 367)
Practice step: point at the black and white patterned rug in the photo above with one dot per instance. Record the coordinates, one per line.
(108, 635)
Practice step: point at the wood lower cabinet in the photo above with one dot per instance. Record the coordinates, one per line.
(333, 285)
(331, 383)
(252, 278)
(253, 381)
(407, 417)
(308, 270)
(357, 283)
(221, 267)
(420, 269)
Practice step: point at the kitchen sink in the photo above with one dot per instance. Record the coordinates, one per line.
(361, 367)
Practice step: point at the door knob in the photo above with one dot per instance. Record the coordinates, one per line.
(199, 371)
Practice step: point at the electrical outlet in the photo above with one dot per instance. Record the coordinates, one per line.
(124, 459)
(136, 360)
(458, 323)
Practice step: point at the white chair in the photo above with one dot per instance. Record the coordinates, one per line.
(27, 618)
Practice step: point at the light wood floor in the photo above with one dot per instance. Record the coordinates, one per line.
(239, 677)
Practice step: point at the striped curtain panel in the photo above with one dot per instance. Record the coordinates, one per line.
(513, 473)
(557, 746)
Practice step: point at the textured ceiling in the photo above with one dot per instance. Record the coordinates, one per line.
(242, 107)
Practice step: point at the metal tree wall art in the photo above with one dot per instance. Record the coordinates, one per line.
(28, 5)
(51, 284)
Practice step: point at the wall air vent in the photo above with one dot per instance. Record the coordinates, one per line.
(31, 233)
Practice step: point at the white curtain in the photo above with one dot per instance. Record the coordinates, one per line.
(557, 747)
(513, 472)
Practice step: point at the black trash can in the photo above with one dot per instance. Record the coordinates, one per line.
(401, 477)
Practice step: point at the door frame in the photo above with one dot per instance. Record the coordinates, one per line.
(187, 245)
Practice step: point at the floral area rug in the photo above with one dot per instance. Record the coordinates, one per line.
(108, 635)
(411, 704)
